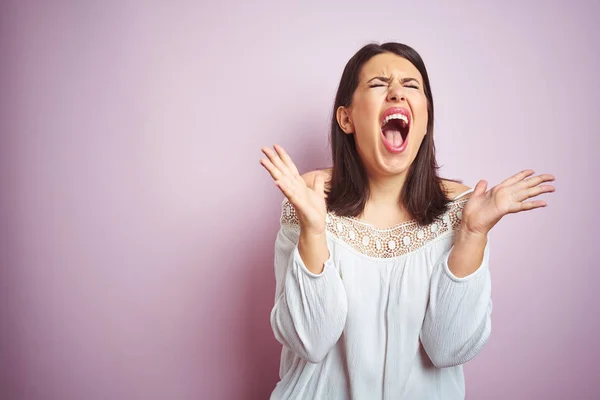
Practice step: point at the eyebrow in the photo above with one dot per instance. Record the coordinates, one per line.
(388, 80)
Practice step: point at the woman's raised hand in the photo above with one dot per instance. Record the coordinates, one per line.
(309, 202)
(486, 207)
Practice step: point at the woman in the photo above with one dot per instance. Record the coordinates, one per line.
(383, 284)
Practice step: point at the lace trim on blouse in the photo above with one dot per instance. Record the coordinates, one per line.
(383, 243)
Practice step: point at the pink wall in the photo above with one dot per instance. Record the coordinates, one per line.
(138, 225)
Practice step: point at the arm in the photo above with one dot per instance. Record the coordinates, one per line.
(457, 322)
(314, 251)
(310, 308)
(310, 302)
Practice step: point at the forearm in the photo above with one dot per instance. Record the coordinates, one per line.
(467, 254)
(310, 308)
(313, 251)
(457, 322)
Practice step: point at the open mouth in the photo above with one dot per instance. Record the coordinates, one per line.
(395, 128)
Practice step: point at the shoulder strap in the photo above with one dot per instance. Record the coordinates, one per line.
(464, 193)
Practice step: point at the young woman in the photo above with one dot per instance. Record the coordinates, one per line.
(382, 270)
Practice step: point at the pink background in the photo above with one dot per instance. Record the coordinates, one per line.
(138, 226)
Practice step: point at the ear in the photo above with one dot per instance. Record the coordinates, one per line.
(343, 118)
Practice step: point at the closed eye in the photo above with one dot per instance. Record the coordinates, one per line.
(379, 81)
(411, 83)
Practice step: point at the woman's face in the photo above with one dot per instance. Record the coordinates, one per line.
(388, 115)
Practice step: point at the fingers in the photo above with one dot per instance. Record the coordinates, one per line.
(273, 170)
(276, 161)
(287, 160)
(286, 176)
(283, 182)
(517, 177)
(533, 187)
(536, 180)
(529, 205)
(536, 191)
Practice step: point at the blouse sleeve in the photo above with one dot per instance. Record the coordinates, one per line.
(457, 321)
(310, 309)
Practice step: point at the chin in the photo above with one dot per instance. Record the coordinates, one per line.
(398, 168)
(392, 166)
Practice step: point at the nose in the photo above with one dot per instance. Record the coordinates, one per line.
(396, 94)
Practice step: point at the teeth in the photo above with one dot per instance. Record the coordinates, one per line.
(395, 116)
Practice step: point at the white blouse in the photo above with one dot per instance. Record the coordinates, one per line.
(385, 319)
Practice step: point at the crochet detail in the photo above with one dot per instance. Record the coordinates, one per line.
(383, 243)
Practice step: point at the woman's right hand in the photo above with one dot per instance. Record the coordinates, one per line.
(309, 202)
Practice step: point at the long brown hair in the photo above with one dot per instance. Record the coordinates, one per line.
(348, 189)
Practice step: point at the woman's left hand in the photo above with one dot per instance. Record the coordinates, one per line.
(485, 208)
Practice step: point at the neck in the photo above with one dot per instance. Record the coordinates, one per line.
(384, 191)
(384, 206)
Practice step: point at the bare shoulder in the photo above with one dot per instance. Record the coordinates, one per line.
(309, 177)
(454, 189)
